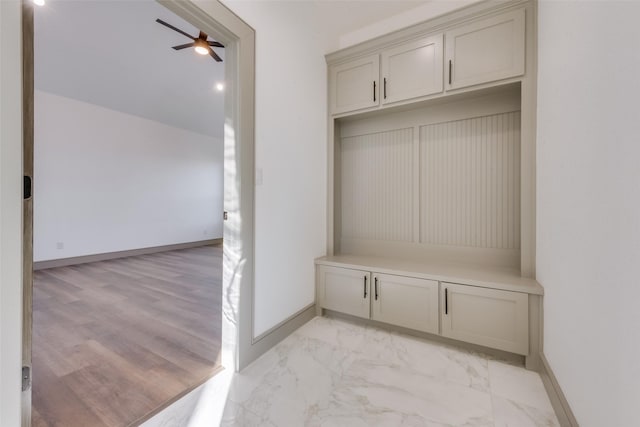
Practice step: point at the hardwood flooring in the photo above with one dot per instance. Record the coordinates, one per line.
(115, 340)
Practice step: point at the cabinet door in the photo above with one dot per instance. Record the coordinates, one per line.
(412, 70)
(354, 85)
(405, 301)
(485, 51)
(345, 290)
(489, 317)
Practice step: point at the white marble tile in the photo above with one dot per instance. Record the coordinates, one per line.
(334, 373)
(302, 378)
(377, 387)
(508, 413)
(518, 385)
(256, 374)
(202, 406)
(335, 332)
(385, 419)
(436, 360)
(237, 416)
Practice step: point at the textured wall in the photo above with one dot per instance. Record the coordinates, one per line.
(589, 205)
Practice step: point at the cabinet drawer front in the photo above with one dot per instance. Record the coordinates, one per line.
(412, 70)
(345, 290)
(354, 85)
(486, 51)
(405, 301)
(489, 317)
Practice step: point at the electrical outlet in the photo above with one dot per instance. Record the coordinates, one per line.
(60, 245)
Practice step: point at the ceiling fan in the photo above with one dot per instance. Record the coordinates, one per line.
(200, 44)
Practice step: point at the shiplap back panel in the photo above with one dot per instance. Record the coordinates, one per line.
(377, 186)
(470, 182)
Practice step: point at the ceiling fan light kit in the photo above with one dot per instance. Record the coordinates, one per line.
(200, 44)
(201, 47)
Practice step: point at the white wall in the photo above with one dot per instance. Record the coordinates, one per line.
(290, 156)
(10, 212)
(291, 153)
(589, 205)
(292, 38)
(107, 181)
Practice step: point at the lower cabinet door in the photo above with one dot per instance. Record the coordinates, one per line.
(345, 290)
(405, 301)
(489, 317)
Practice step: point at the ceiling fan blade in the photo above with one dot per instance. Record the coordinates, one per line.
(214, 55)
(183, 46)
(160, 21)
(216, 44)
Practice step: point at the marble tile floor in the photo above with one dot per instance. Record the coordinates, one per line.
(334, 373)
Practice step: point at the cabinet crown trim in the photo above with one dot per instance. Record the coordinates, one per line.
(437, 24)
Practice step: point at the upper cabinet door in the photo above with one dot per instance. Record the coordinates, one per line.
(412, 70)
(485, 51)
(355, 85)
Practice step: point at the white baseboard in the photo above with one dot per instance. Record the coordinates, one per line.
(63, 262)
(273, 336)
(557, 397)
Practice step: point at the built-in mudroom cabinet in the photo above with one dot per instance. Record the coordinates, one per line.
(431, 180)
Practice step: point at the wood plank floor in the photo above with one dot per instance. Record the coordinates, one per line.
(115, 340)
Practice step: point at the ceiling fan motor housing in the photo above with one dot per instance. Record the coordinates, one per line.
(200, 44)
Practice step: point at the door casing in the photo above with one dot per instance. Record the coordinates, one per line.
(217, 20)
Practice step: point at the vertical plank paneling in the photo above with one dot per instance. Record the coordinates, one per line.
(415, 178)
(514, 132)
(377, 186)
(470, 182)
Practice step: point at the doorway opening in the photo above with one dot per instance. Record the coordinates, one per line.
(136, 283)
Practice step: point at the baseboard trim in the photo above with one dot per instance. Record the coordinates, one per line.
(558, 400)
(63, 262)
(279, 332)
(279, 325)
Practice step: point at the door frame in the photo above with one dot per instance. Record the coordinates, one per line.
(222, 24)
(240, 345)
(27, 206)
(217, 20)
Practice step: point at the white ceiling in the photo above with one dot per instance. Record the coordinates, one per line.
(339, 17)
(114, 54)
